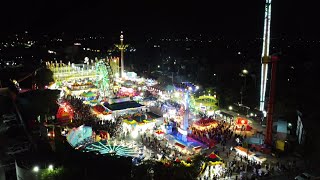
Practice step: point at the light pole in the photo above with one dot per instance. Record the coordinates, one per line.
(243, 73)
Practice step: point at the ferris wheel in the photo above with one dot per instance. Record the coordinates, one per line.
(104, 79)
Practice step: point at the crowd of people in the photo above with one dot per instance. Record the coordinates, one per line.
(212, 136)
(83, 115)
(151, 141)
(237, 167)
(220, 134)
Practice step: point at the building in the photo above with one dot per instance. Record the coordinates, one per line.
(282, 129)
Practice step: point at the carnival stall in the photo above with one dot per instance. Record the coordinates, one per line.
(88, 95)
(205, 124)
(206, 103)
(137, 118)
(215, 166)
(242, 124)
(104, 135)
(91, 102)
(159, 134)
(126, 92)
(259, 158)
(102, 112)
(244, 152)
(213, 159)
(81, 85)
(138, 122)
(65, 113)
(181, 147)
(197, 149)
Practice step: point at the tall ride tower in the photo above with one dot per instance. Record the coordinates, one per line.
(183, 130)
(265, 54)
(122, 47)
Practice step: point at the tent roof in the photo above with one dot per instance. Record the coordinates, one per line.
(123, 105)
(88, 94)
(213, 156)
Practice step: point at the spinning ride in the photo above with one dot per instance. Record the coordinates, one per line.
(103, 147)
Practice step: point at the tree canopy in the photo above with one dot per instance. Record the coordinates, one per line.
(38, 102)
(43, 77)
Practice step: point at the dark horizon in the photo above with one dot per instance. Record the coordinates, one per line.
(241, 19)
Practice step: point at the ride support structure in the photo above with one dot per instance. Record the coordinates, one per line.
(122, 47)
(273, 60)
(265, 54)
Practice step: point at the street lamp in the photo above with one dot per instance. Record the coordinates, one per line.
(35, 169)
(244, 74)
(244, 71)
(230, 108)
(50, 167)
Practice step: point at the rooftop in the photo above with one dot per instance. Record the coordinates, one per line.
(153, 115)
(122, 105)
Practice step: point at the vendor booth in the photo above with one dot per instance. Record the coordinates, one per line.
(250, 155)
(242, 124)
(65, 113)
(205, 124)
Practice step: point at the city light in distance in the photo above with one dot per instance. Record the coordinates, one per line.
(245, 71)
(36, 169)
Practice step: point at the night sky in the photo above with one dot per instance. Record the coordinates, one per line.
(234, 19)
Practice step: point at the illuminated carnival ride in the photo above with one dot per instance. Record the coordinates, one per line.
(104, 79)
(83, 138)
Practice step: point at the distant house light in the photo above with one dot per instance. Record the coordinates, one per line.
(35, 169)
